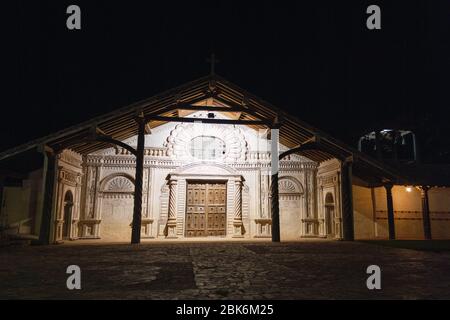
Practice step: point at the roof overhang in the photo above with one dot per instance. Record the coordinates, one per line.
(216, 94)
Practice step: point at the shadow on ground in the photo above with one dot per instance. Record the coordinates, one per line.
(221, 270)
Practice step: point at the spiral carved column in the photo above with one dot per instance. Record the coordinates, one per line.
(237, 221)
(172, 219)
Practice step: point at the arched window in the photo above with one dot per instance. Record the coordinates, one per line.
(207, 147)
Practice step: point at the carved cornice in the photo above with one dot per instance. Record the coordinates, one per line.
(128, 161)
(69, 176)
(70, 157)
(327, 180)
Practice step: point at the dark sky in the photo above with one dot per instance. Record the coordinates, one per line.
(315, 59)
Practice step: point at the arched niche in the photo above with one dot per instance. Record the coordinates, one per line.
(117, 183)
(290, 192)
(290, 188)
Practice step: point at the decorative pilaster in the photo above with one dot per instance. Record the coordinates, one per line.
(76, 208)
(59, 214)
(305, 210)
(90, 216)
(172, 219)
(237, 221)
(310, 220)
(147, 217)
(265, 203)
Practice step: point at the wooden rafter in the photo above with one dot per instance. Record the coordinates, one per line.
(120, 124)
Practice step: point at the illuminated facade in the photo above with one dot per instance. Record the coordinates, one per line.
(206, 174)
(236, 158)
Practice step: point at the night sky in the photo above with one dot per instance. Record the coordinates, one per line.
(314, 59)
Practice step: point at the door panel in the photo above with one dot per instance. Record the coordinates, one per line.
(205, 209)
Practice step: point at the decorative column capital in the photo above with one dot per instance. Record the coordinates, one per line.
(172, 177)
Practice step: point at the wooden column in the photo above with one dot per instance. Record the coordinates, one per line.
(275, 206)
(390, 211)
(347, 200)
(49, 183)
(425, 212)
(137, 211)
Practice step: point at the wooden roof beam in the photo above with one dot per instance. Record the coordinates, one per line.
(189, 107)
(208, 120)
(96, 135)
(246, 109)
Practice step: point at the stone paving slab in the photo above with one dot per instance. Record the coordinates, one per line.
(223, 270)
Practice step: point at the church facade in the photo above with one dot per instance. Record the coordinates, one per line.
(199, 180)
(200, 165)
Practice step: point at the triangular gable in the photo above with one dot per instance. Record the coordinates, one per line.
(120, 124)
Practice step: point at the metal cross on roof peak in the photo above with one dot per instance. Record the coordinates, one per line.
(212, 61)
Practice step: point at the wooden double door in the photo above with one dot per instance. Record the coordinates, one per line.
(206, 209)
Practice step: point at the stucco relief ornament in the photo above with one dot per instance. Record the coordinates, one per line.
(120, 184)
(170, 141)
(179, 144)
(287, 186)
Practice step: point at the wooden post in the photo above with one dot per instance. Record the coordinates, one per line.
(49, 183)
(347, 200)
(390, 211)
(275, 206)
(137, 211)
(426, 213)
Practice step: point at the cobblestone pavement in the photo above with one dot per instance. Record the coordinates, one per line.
(221, 270)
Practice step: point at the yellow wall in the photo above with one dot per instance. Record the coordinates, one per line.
(22, 203)
(439, 199)
(408, 213)
(16, 203)
(363, 215)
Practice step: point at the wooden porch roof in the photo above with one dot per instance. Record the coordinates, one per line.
(120, 125)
